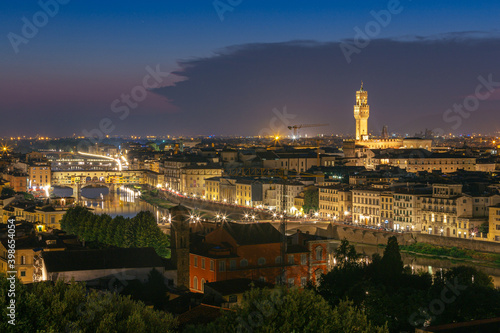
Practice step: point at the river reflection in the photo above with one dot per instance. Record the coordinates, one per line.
(124, 202)
(429, 264)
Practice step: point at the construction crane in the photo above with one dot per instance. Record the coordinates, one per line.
(295, 128)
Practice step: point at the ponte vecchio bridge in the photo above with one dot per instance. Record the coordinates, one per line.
(81, 179)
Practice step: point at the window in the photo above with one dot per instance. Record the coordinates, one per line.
(243, 263)
(232, 265)
(195, 261)
(23, 260)
(291, 260)
(303, 282)
(291, 282)
(498, 226)
(23, 273)
(202, 284)
(195, 283)
(277, 260)
(222, 266)
(202, 263)
(261, 261)
(211, 265)
(233, 298)
(319, 253)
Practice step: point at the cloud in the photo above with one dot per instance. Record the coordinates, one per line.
(411, 82)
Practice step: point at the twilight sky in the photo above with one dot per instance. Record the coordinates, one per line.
(230, 68)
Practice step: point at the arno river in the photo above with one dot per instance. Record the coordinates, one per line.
(122, 202)
(125, 203)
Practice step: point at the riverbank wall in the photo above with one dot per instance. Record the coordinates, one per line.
(375, 237)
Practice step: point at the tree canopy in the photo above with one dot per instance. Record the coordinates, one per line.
(311, 200)
(140, 231)
(61, 307)
(290, 310)
(8, 192)
(404, 299)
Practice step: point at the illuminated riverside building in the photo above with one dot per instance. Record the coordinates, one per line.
(494, 224)
(244, 192)
(366, 206)
(335, 201)
(405, 210)
(213, 188)
(291, 189)
(387, 208)
(449, 212)
(39, 176)
(193, 178)
(172, 169)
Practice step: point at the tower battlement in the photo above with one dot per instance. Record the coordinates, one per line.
(361, 114)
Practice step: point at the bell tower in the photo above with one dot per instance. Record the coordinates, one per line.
(361, 114)
(179, 243)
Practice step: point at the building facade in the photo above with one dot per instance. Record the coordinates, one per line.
(366, 206)
(335, 201)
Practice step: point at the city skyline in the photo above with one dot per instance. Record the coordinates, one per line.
(233, 77)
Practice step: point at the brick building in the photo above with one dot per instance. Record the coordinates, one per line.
(253, 251)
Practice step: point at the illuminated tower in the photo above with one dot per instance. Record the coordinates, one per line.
(361, 114)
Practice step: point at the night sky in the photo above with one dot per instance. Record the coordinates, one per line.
(227, 76)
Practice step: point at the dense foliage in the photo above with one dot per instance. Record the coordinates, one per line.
(7, 192)
(290, 310)
(139, 231)
(311, 200)
(393, 294)
(61, 307)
